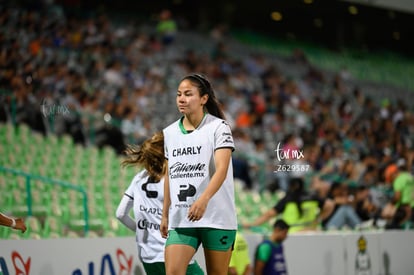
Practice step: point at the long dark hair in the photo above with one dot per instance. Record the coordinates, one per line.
(295, 192)
(204, 87)
(149, 155)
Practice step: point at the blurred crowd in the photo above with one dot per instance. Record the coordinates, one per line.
(106, 82)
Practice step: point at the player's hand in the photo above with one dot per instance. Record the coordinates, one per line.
(164, 227)
(20, 225)
(197, 209)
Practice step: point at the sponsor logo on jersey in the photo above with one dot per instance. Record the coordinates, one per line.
(187, 170)
(186, 167)
(150, 210)
(186, 191)
(145, 225)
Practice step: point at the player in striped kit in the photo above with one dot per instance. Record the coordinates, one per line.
(145, 196)
(199, 205)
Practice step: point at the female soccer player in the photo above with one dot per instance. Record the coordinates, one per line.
(199, 205)
(145, 196)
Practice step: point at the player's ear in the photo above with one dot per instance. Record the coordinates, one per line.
(204, 99)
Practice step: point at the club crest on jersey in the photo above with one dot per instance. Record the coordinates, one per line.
(145, 225)
(151, 194)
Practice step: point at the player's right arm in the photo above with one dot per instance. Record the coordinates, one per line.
(166, 205)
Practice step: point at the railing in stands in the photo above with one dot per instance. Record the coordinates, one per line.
(46, 180)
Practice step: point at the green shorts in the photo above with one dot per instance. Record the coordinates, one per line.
(158, 268)
(211, 238)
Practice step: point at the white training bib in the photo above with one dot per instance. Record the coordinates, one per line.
(148, 202)
(191, 166)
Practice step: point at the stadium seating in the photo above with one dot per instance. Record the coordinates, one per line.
(385, 68)
(57, 211)
(98, 171)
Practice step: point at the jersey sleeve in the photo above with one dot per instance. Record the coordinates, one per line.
(130, 190)
(125, 206)
(127, 203)
(223, 136)
(122, 212)
(263, 252)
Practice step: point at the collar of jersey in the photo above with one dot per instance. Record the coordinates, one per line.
(181, 125)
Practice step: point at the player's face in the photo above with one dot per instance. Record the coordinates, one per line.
(188, 99)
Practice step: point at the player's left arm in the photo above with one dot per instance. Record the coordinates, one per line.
(222, 158)
(122, 212)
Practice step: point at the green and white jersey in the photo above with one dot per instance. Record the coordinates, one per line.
(191, 166)
(147, 197)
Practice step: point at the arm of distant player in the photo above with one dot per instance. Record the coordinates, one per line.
(266, 216)
(13, 223)
(122, 212)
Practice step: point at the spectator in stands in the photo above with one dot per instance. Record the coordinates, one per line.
(166, 27)
(114, 77)
(241, 159)
(15, 223)
(403, 186)
(299, 56)
(366, 210)
(131, 125)
(300, 209)
(286, 154)
(220, 51)
(344, 213)
(269, 256)
(259, 165)
(146, 193)
(93, 117)
(37, 63)
(26, 110)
